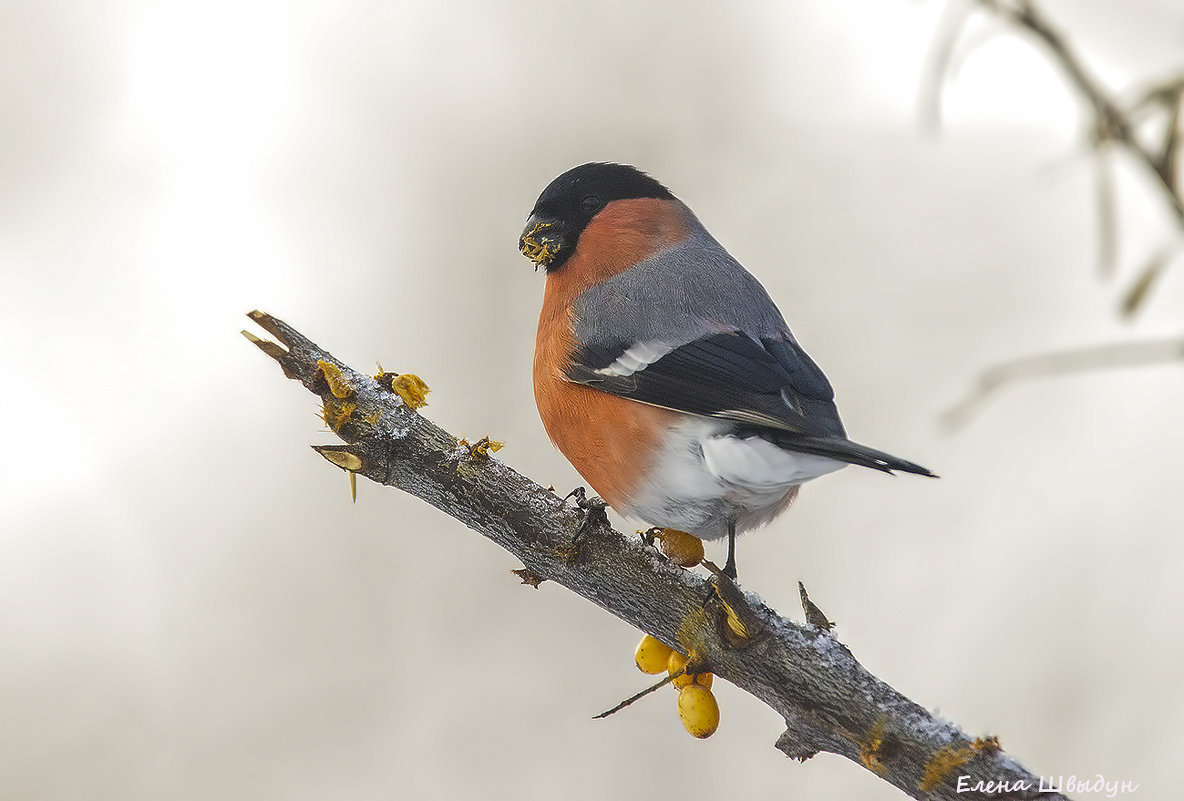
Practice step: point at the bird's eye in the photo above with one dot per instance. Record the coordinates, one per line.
(592, 203)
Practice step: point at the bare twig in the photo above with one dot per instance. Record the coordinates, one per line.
(1107, 213)
(1147, 276)
(954, 19)
(1124, 354)
(639, 695)
(828, 700)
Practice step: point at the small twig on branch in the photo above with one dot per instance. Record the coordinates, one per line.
(828, 700)
(638, 696)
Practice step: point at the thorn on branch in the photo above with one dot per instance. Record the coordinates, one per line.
(814, 615)
(347, 459)
(529, 577)
(272, 349)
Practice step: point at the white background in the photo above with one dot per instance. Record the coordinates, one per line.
(190, 606)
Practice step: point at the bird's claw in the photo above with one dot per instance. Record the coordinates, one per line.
(594, 512)
(580, 494)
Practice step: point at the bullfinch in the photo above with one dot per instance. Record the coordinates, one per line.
(662, 369)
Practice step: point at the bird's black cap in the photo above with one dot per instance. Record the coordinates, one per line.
(569, 203)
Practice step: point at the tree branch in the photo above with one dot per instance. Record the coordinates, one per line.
(828, 700)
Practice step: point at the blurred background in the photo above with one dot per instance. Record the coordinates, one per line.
(190, 605)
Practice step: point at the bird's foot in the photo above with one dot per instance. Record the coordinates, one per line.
(730, 565)
(594, 514)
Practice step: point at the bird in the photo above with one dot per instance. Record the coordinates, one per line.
(663, 370)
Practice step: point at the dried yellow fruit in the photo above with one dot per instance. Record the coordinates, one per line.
(698, 711)
(680, 547)
(485, 446)
(675, 662)
(338, 383)
(411, 388)
(687, 679)
(652, 655)
(335, 414)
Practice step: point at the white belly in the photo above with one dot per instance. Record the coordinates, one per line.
(703, 477)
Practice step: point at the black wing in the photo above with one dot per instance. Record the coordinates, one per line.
(768, 384)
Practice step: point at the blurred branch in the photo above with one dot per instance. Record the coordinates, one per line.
(1125, 354)
(1113, 127)
(828, 700)
(956, 14)
(1110, 122)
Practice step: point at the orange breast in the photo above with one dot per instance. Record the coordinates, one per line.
(611, 441)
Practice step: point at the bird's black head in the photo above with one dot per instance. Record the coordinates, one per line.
(569, 203)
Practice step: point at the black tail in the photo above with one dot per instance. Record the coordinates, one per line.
(846, 451)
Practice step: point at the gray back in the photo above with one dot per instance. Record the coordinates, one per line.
(691, 289)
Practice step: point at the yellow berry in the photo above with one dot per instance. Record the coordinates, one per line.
(675, 662)
(680, 547)
(702, 679)
(652, 655)
(675, 665)
(687, 679)
(698, 711)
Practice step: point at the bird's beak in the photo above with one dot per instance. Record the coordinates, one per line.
(542, 240)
